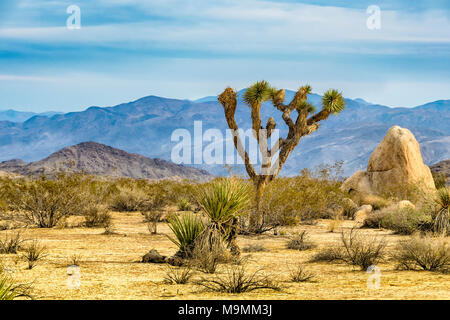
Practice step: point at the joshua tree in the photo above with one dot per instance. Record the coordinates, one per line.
(306, 123)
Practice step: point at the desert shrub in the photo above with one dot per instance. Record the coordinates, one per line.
(75, 260)
(300, 241)
(374, 219)
(152, 219)
(254, 248)
(331, 254)
(184, 205)
(237, 279)
(11, 244)
(96, 216)
(360, 250)
(44, 201)
(128, 199)
(376, 202)
(441, 219)
(405, 220)
(311, 195)
(299, 274)
(355, 249)
(413, 192)
(181, 275)
(186, 230)
(423, 253)
(440, 179)
(34, 253)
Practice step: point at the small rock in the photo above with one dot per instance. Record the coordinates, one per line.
(175, 261)
(367, 208)
(153, 256)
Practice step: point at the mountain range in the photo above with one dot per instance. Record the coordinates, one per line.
(21, 116)
(98, 159)
(145, 127)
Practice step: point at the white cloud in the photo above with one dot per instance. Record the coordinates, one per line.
(248, 25)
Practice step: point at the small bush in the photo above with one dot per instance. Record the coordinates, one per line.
(299, 274)
(440, 179)
(254, 248)
(300, 242)
(175, 275)
(404, 221)
(376, 202)
(355, 249)
(75, 260)
(423, 253)
(184, 205)
(152, 219)
(331, 254)
(34, 253)
(237, 279)
(362, 251)
(128, 199)
(96, 216)
(11, 244)
(374, 220)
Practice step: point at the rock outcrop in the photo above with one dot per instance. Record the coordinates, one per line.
(395, 162)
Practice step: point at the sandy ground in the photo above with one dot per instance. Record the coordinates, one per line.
(110, 267)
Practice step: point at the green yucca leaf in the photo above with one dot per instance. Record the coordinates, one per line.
(444, 197)
(305, 105)
(258, 93)
(333, 101)
(306, 89)
(7, 291)
(186, 230)
(224, 200)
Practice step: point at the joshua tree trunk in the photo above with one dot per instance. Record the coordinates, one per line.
(256, 217)
(257, 94)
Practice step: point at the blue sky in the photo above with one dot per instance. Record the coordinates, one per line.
(127, 49)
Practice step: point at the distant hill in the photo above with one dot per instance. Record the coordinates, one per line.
(98, 159)
(442, 167)
(21, 116)
(145, 126)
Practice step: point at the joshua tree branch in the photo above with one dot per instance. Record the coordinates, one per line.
(229, 103)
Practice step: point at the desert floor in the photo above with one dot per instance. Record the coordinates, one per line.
(111, 269)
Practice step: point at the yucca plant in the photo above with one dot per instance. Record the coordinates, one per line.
(223, 202)
(441, 221)
(186, 230)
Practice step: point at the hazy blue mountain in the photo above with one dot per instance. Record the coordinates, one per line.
(21, 116)
(145, 126)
